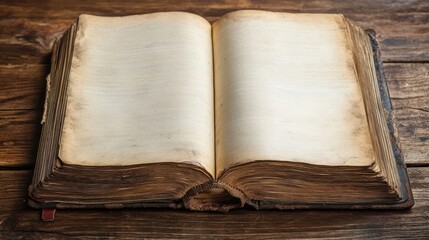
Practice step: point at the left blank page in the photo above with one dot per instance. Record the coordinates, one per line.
(140, 91)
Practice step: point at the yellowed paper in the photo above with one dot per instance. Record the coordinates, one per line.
(140, 91)
(286, 90)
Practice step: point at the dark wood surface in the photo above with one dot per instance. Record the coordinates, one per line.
(27, 31)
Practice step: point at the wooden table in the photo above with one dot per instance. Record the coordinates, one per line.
(27, 30)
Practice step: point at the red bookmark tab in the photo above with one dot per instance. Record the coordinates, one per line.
(48, 214)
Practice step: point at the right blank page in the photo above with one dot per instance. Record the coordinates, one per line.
(286, 89)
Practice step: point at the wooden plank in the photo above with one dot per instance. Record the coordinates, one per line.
(19, 138)
(246, 223)
(67, 9)
(22, 86)
(28, 41)
(13, 191)
(403, 36)
(409, 91)
(27, 30)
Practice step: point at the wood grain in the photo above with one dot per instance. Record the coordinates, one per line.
(409, 88)
(140, 223)
(29, 41)
(19, 138)
(28, 29)
(403, 37)
(13, 192)
(22, 86)
(67, 9)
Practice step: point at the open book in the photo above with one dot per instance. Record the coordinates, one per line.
(270, 110)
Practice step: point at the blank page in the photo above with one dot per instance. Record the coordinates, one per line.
(286, 90)
(140, 91)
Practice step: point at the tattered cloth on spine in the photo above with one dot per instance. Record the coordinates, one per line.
(45, 105)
